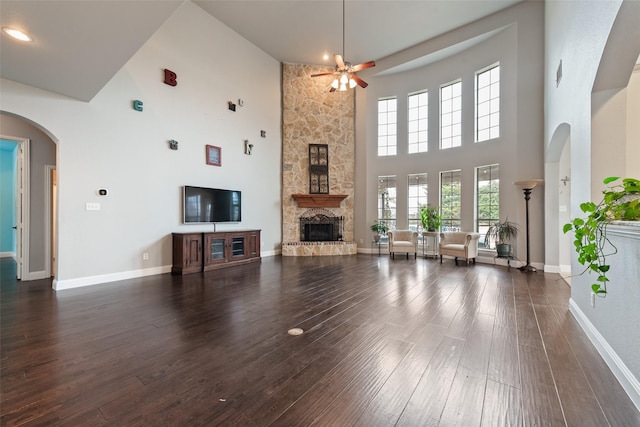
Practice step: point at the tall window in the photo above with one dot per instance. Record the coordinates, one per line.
(387, 200)
(418, 122)
(451, 115)
(488, 200)
(450, 200)
(488, 104)
(387, 126)
(417, 196)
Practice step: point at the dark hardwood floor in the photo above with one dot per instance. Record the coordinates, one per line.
(386, 342)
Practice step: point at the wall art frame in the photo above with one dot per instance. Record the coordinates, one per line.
(318, 169)
(214, 155)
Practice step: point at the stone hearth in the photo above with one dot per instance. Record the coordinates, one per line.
(319, 248)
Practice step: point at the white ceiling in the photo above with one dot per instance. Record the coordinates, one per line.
(79, 45)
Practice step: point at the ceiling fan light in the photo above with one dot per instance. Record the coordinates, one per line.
(335, 84)
(343, 87)
(352, 83)
(17, 34)
(344, 79)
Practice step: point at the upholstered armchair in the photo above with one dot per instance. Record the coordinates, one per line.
(403, 241)
(459, 244)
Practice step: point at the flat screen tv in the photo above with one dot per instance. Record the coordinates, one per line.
(211, 205)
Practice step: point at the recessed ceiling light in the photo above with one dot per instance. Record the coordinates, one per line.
(17, 34)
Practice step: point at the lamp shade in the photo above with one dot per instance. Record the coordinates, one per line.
(529, 184)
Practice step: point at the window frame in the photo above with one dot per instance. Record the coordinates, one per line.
(392, 199)
(482, 229)
(448, 222)
(422, 184)
(389, 150)
(490, 102)
(422, 146)
(452, 124)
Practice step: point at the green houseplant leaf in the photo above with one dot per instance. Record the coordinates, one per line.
(619, 202)
(430, 218)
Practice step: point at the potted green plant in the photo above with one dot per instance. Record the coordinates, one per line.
(619, 202)
(379, 227)
(430, 218)
(502, 233)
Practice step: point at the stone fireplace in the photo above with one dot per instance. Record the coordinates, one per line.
(316, 224)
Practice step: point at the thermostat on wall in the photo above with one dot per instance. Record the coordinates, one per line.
(103, 192)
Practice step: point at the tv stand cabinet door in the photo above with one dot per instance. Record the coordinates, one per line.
(215, 248)
(253, 244)
(187, 253)
(237, 246)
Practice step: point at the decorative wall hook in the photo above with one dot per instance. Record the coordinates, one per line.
(232, 106)
(173, 144)
(248, 148)
(565, 180)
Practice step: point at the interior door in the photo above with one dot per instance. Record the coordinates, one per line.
(19, 227)
(54, 219)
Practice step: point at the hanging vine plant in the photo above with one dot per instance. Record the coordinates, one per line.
(620, 201)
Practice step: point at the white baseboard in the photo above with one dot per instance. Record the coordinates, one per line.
(270, 253)
(369, 251)
(480, 259)
(552, 268)
(36, 275)
(59, 285)
(562, 269)
(628, 381)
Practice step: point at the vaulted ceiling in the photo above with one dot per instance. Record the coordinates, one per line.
(79, 45)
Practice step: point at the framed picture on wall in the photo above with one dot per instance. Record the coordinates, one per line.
(318, 169)
(214, 155)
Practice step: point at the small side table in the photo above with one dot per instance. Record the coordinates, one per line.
(426, 236)
(374, 243)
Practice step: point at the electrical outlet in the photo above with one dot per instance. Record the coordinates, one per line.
(145, 256)
(593, 299)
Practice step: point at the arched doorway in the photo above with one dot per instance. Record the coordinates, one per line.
(558, 199)
(38, 238)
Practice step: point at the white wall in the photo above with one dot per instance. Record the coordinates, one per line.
(633, 125)
(565, 244)
(608, 137)
(586, 35)
(107, 144)
(515, 40)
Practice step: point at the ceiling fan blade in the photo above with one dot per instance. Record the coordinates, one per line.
(363, 66)
(360, 82)
(323, 74)
(339, 60)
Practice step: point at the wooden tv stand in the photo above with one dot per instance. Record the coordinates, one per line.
(195, 252)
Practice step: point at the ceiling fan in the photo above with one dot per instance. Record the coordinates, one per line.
(345, 72)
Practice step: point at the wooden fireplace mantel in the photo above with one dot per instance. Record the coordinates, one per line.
(319, 200)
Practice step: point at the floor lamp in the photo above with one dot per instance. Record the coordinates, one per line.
(527, 186)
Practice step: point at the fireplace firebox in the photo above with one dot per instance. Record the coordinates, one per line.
(321, 228)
